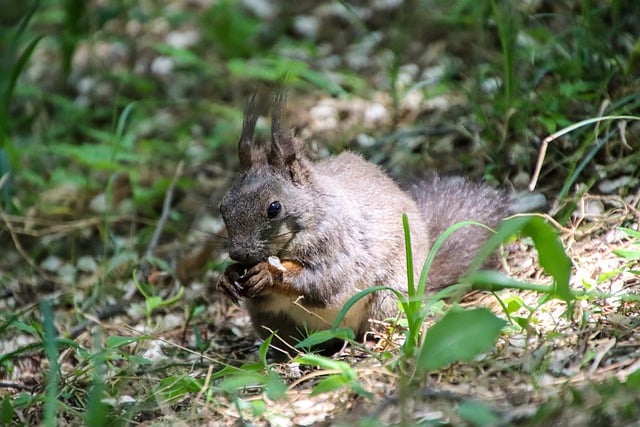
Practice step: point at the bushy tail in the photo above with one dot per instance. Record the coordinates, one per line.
(445, 201)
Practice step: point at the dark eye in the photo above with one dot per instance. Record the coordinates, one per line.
(274, 209)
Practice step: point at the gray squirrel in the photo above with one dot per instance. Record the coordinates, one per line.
(307, 236)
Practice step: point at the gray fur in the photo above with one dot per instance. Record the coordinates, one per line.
(341, 220)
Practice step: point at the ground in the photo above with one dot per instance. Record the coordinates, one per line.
(123, 125)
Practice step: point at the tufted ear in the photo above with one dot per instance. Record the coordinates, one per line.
(285, 154)
(249, 151)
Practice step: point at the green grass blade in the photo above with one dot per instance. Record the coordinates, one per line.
(17, 70)
(409, 255)
(436, 247)
(53, 376)
(357, 297)
(583, 123)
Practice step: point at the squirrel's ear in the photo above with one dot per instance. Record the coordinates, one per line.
(248, 150)
(286, 150)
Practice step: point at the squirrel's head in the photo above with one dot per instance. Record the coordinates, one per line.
(271, 199)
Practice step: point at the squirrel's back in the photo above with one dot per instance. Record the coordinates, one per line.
(444, 201)
(433, 204)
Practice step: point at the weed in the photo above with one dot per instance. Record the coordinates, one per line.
(13, 59)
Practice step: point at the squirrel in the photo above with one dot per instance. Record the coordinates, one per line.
(307, 236)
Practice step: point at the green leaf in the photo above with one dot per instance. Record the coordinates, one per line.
(96, 414)
(490, 280)
(233, 30)
(521, 321)
(115, 341)
(514, 304)
(319, 337)
(139, 360)
(324, 362)
(6, 411)
(331, 383)
(631, 233)
(551, 254)
(628, 254)
(241, 380)
(459, 335)
(97, 156)
(553, 258)
(176, 387)
(182, 56)
(478, 414)
(262, 351)
(275, 386)
(633, 380)
(258, 407)
(53, 375)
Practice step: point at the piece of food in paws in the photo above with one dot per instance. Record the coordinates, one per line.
(275, 262)
(276, 265)
(278, 269)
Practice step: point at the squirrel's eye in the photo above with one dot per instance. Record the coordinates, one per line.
(274, 209)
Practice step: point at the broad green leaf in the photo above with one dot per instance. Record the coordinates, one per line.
(459, 335)
(514, 304)
(6, 411)
(331, 383)
(631, 232)
(258, 407)
(551, 254)
(478, 414)
(629, 254)
(633, 380)
(275, 386)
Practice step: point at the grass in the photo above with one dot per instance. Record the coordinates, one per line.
(99, 105)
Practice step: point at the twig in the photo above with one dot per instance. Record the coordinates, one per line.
(541, 155)
(21, 387)
(16, 241)
(166, 207)
(55, 227)
(205, 386)
(107, 313)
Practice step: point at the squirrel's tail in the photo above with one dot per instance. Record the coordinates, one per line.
(444, 201)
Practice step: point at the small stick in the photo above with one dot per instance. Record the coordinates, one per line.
(16, 241)
(166, 207)
(541, 155)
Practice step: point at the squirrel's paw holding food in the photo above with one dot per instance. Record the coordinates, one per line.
(230, 282)
(258, 278)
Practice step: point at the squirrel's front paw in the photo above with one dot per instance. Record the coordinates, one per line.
(256, 279)
(230, 282)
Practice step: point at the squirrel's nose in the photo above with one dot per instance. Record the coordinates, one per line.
(242, 255)
(238, 254)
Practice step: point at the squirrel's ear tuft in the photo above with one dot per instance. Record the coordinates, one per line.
(286, 152)
(249, 150)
